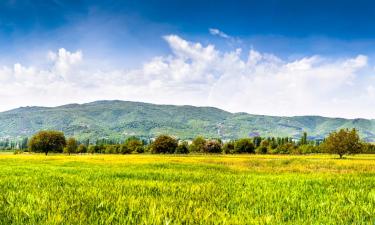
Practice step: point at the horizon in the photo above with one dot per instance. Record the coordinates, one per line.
(279, 58)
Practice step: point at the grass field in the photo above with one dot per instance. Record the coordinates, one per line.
(159, 189)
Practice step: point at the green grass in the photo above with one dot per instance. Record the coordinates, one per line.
(213, 189)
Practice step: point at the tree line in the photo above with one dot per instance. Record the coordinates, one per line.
(340, 142)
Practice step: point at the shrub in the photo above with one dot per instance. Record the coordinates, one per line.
(182, 148)
(82, 148)
(71, 146)
(212, 146)
(198, 145)
(164, 144)
(228, 147)
(244, 145)
(134, 144)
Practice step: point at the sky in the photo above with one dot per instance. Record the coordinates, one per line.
(271, 57)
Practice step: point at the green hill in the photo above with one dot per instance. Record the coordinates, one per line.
(118, 119)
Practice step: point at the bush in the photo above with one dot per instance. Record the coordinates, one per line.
(198, 145)
(71, 146)
(244, 145)
(263, 147)
(134, 144)
(164, 144)
(228, 147)
(47, 141)
(212, 146)
(82, 148)
(91, 149)
(182, 148)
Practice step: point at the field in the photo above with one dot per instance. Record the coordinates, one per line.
(194, 189)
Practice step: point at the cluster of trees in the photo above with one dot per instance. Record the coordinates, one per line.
(7, 144)
(342, 142)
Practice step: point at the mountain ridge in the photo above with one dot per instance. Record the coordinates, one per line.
(119, 119)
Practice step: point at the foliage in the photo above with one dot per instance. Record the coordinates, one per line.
(343, 142)
(47, 141)
(198, 144)
(182, 148)
(134, 144)
(71, 146)
(228, 147)
(244, 145)
(164, 144)
(212, 146)
(82, 148)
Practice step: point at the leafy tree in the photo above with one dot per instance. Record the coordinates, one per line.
(228, 147)
(164, 144)
(71, 146)
(134, 144)
(182, 148)
(343, 142)
(244, 145)
(263, 147)
(47, 141)
(82, 148)
(198, 145)
(91, 149)
(303, 140)
(212, 146)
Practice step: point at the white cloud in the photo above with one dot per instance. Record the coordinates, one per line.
(219, 33)
(194, 74)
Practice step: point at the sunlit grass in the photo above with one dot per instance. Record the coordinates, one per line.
(203, 189)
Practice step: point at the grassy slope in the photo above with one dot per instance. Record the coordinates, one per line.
(117, 119)
(155, 189)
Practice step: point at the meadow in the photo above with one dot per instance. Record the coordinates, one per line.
(191, 189)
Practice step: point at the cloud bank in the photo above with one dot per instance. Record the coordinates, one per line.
(196, 74)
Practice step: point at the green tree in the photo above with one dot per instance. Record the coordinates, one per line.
(182, 148)
(47, 141)
(134, 144)
(164, 144)
(212, 146)
(303, 140)
(198, 145)
(82, 148)
(244, 145)
(228, 147)
(263, 147)
(71, 146)
(343, 142)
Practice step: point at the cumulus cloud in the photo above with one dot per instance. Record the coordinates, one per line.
(260, 83)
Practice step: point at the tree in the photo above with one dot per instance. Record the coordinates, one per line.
(212, 146)
(164, 144)
(263, 147)
(303, 140)
(343, 142)
(182, 148)
(91, 149)
(244, 145)
(82, 148)
(198, 144)
(134, 144)
(71, 146)
(47, 141)
(228, 147)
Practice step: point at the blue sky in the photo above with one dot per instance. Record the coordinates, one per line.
(190, 52)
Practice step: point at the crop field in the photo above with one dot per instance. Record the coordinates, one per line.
(192, 189)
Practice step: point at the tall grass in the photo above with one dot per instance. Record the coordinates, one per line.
(212, 189)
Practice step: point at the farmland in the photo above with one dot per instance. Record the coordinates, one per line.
(191, 189)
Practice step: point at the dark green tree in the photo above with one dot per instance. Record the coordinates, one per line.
(244, 145)
(164, 144)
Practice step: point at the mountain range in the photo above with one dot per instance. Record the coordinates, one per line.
(119, 119)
